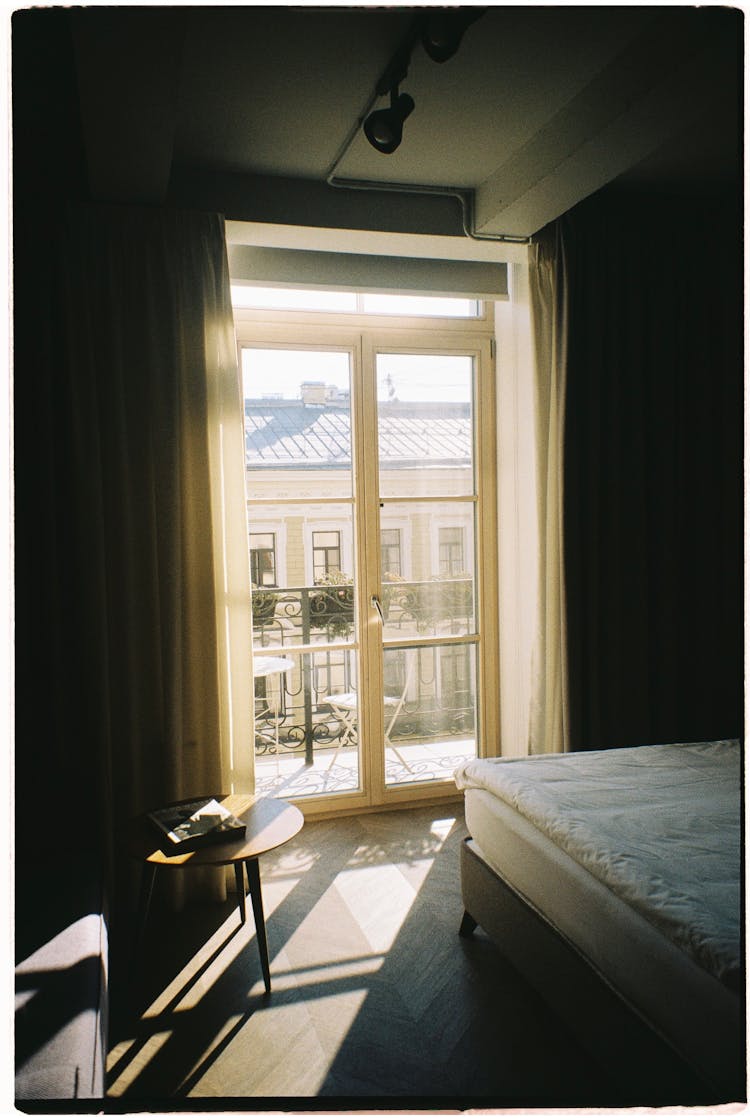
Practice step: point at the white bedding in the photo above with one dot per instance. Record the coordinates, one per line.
(658, 825)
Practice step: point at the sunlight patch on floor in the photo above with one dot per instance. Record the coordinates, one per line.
(283, 1049)
(118, 1052)
(326, 972)
(336, 770)
(275, 889)
(289, 862)
(442, 828)
(195, 980)
(189, 985)
(141, 1059)
(215, 1045)
(379, 900)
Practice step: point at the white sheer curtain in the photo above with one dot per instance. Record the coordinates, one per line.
(531, 393)
(154, 410)
(549, 723)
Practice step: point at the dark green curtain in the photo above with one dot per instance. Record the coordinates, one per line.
(654, 471)
(132, 597)
(53, 759)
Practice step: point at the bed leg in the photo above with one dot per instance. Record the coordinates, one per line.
(468, 925)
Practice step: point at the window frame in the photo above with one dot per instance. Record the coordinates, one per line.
(360, 308)
(358, 322)
(361, 336)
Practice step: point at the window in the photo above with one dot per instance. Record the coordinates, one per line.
(390, 552)
(370, 466)
(292, 299)
(302, 299)
(451, 551)
(326, 553)
(441, 306)
(263, 559)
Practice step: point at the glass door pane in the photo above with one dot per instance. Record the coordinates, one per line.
(298, 451)
(429, 711)
(425, 424)
(431, 591)
(428, 506)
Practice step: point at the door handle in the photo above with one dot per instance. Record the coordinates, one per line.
(376, 604)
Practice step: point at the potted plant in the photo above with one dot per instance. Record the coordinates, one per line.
(332, 608)
(264, 605)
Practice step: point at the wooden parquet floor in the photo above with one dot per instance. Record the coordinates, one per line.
(376, 1000)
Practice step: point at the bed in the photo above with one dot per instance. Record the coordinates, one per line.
(613, 880)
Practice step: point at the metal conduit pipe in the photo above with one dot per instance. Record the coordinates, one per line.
(464, 195)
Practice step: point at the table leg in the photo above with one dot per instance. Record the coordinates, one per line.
(239, 878)
(253, 878)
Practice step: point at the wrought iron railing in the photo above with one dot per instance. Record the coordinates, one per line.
(292, 713)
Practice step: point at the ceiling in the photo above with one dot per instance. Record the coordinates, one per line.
(539, 107)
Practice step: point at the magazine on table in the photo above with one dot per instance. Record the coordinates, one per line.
(195, 824)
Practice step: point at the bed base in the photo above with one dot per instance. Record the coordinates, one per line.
(643, 1066)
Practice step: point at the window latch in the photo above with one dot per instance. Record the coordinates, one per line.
(376, 604)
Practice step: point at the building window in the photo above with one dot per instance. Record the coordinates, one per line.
(390, 552)
(326, 547)
(451, 551)
(263, 559)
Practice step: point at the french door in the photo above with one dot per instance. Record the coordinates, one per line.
(371, 530)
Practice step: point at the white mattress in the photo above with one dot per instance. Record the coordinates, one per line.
(692, 1005)
(659, 826)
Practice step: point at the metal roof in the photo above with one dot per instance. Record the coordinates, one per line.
(283, 433)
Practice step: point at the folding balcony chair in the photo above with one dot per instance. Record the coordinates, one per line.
(344, 707)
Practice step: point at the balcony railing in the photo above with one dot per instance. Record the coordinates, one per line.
(291, 712)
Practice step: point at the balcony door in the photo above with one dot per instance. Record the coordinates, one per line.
(370, 544)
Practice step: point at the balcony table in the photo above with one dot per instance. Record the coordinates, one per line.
(268, 667)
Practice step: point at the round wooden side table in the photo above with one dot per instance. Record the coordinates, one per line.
(269, 822)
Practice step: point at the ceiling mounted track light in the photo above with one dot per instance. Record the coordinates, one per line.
(375, 131)
(444, 29)
(441, 31)
(384, 128)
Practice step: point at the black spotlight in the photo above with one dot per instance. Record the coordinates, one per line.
(444, 30)
(384, 128)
